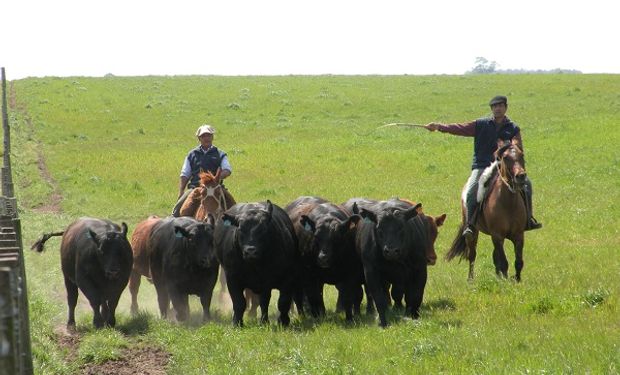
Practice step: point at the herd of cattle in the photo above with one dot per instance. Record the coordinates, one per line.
(383, 246)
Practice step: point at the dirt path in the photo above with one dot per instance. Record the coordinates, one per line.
(53, 205)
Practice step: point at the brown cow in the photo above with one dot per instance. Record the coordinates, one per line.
(141, 266)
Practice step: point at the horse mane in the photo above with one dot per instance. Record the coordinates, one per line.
(207, 178)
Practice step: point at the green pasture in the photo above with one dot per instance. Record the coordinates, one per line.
(114, 148)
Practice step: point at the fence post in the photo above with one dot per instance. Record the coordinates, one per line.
(15, 350)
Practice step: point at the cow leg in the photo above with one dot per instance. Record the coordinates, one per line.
(238, 301)
(134, 286)
(518, 244)
(163, 300)
(471, 250)
(370, 302)
(205, 298)
(415, 294)
(499, 257)
(180, 302)
(314, 294)
(72, 296)
(265, 297)
(284, 305)
(377, 292)
(111, 305)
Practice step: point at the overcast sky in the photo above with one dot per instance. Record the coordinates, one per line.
(267, 37)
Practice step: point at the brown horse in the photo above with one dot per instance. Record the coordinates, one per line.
(502, 215)
(209, 197)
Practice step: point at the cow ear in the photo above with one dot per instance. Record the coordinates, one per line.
(229, 220)
(412, 212)
(180, 232)
(269, 208)
(124, 229)
(355, 209)
(440, 219)
(350, 223)
(94, 237)
(307, 223)
(368, 215)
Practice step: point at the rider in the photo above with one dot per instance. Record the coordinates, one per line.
(206, 157)
(486, 132)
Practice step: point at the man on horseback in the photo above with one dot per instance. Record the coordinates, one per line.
(204, 157)
(486, 132)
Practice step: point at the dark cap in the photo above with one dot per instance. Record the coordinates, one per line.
(498, 99)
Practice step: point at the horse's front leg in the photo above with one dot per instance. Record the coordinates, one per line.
(518, 243)
(499, 257)
(471, 253)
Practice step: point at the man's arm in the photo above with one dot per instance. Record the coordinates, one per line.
(226, 169)
(467, 129)
(182, 184)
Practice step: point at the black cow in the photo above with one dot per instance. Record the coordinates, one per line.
(183, 262)
(392, 243)
(257, 247)
(95, 257)
(326, 235)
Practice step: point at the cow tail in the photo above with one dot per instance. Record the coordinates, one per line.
(38, 246)
(459, 246)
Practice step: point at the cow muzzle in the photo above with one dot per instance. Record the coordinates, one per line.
(112, 274)
(391, 253)
(250, 253)
(323, 260)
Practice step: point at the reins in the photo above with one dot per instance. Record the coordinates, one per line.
(500, 170)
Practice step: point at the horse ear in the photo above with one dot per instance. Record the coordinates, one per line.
(440, 219)
(218, 174)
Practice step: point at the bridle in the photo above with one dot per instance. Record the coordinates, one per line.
(503, 170)
(211, 193)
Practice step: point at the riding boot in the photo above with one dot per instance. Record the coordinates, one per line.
(527, 196)
(471, 203)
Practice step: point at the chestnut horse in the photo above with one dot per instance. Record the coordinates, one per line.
(208, 198)
(502, 215)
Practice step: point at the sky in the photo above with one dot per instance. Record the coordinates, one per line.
(273, 37)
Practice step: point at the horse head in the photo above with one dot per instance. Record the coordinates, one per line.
(211, 195)
(511, 165)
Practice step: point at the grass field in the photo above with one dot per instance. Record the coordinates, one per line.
(114, 147)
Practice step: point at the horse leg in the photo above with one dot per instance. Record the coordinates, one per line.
(471, 253)
(518, 244)
(134, 286)
(499, 257)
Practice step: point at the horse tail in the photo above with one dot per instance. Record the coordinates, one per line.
(459, 246)
(38, 246)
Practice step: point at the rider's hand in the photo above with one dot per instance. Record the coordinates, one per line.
(432, 126)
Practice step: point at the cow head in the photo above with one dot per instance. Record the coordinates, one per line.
(199, 243)
(329, 235)
(253, 235)
(111, 250)
(391, 234)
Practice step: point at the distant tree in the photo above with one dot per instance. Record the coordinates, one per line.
(483, 66)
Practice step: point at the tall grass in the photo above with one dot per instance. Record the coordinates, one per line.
(115, 146)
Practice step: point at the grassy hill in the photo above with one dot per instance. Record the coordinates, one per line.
(113, 147)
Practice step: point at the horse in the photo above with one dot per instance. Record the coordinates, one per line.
(501, 216)
(208, 198)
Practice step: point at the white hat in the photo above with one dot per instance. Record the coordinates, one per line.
(205, 129)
